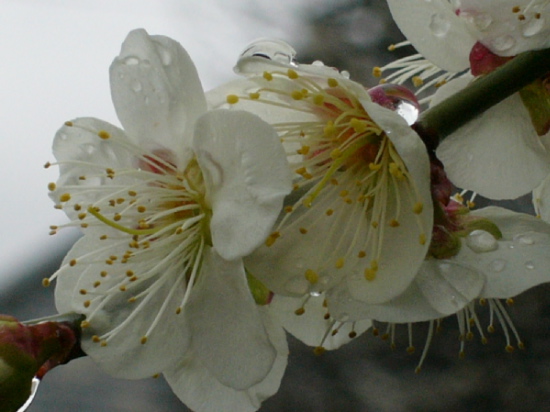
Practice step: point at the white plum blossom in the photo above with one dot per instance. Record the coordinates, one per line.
(169, 206)
(499, 154)
(360, 215)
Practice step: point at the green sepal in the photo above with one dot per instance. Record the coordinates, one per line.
(261, 294)
(536, 99)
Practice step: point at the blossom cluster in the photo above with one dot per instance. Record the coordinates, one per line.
(296, 199)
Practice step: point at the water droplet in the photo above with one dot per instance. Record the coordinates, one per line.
(34, 388)
(503, 43)
(297, 285)
(315, 293)
(482, 20)
(524, 239)
(276, 50)
(397, 98)
(318, 63)
(497, 265)
(481, 241)
(345, 74)
(532, 27)
(136, 86)
(439, 25)
(529, 265)
(131, 61)
(165, 56)
(63, 136)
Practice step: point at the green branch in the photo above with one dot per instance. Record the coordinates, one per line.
(438, 122)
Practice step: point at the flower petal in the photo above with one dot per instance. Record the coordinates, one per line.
(440, 289)
(200, 389)
(498, 154)
(229, 337)
(435, 31)
(121, 311)
(247, 177)
(521, 260)
(156, 91)
(84, 157)
(312, 327)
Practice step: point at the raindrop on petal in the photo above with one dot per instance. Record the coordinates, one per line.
(524, 239)
(503, 43)
(131, 61)
(532, 27)
(276, 50)
(481, 241)
(482, 20)
(497, 265)
(397, 98)
(165, 56)
(439, 25)
(529, 265)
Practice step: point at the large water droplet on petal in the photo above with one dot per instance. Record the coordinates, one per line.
(482, 20)
(276, 50)
(439, 25)
(497, 265)
(131, 61)
(34, 388)
(524, 239)
(529, 265)
(503, 43)
(532, 27)
(397, 98)
(481, 241)
(165, 56)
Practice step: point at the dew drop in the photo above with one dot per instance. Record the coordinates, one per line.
(131, 61)
(165, 57)
(524, 239)
(503, 43)
(276, 50)
(63, 136)
(397, 98)
(497, 265)
(530, 265)
(481, 241)
(482, 20)
(136, 86)
(532, 27)
(439, 25)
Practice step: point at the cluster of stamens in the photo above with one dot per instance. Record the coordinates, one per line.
(344, 164)
(152, 216)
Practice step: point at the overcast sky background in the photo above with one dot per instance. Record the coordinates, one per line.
(55, 60)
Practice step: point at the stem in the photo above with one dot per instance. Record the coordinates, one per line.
(438, 122)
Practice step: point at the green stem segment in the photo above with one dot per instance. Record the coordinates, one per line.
(438, 122)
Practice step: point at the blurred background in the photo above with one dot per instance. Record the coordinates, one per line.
(56, 55)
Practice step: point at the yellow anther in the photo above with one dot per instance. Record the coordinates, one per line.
(307, 201)
(103, 273)
(470, 204)
(77, 207)
(304, 150)
(103, 237)
(84, 324)
(51, 186)
(336, 153)
(417, 81)
(288, 209)
(509, 348)
(97, 283)
(46, 282)
(358, 125)
(410, 350)
(103, 134)
(318, 99)
(516, 9)
(339, 263)
(65, 197)
(391, 47)
(374, 224)
(122, 288)
(87, 303)
(332, 82)
(254, 95)
(178, 310)
(361, 254)
(418, 207)
(143, 340)
(311, 276)
(96, 339)
(329, 129)
(303, 230)
(292, 74)
(47, 165)
(301, 171)
(103, 343)
(132, 193)
(299, 311)
(422, 239)
(141, 209)
(521, 17)
(377, 72)
(370, 274)
(83, 291)
(394, 223)
(268, 76)
(272, 238)
(375, 166)
(319, 350)
(72, 262)
(329, 212)
(69, 124)
(232, 98)
(344, 193)
(334, 181)
(297, 95)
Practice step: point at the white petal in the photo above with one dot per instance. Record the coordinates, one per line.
(521, 260)
(229, 337)
(247, 177)
(440, 289)
(503, 32)
(125, 355)
(541, 199)
(156, 91)
(84, 158)
(435, 31)
(311, 327)
(199, 389)
(498, 154)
